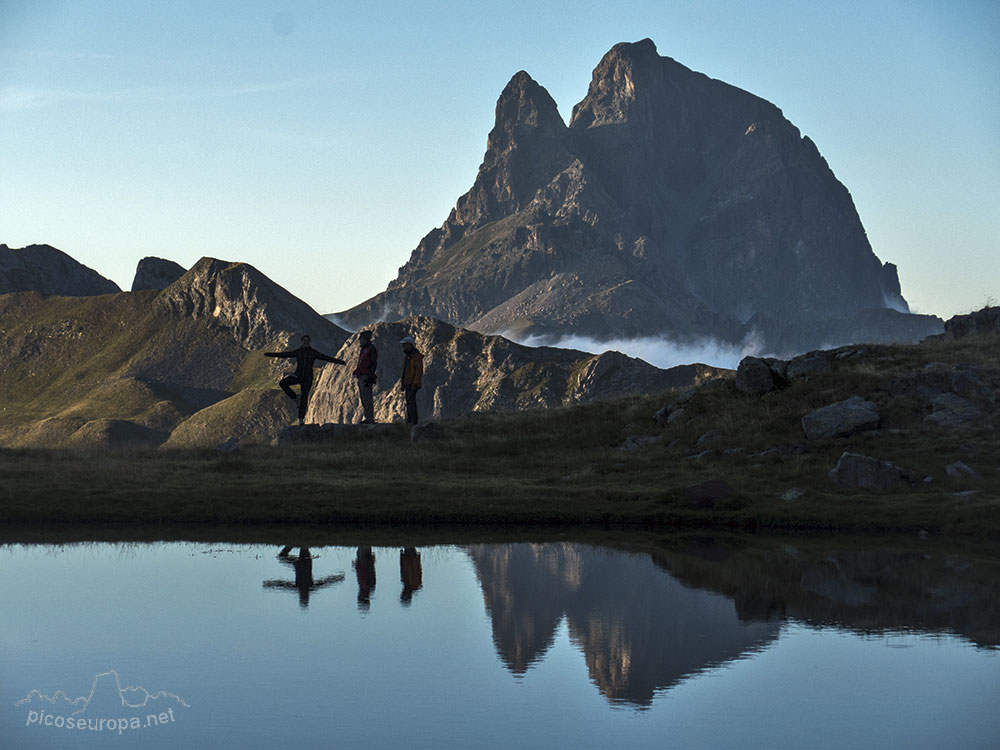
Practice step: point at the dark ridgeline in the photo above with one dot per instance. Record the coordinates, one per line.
(672, 204)
(48, 271)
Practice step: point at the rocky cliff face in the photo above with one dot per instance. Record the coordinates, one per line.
(466, 371)
(156, 273)
(671, 204)
(255, 310)
(43, 269)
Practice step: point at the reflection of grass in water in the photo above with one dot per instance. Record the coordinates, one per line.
(559, 466)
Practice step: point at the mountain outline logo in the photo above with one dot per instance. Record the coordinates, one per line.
(107, 707)
(123, 692)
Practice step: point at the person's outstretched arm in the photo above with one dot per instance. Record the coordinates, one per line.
(328, 358)
(281, 354)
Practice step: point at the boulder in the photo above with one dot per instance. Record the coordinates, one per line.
(841, 419)
(708, 438)
(866, 473)
(960, 469)
(951, 411)
(807, 364)
(755, 377)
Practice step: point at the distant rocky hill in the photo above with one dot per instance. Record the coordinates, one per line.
(672, 204)
(184, 366)
(466, 371)
(156, 273)
(43, 269)
(130, 368)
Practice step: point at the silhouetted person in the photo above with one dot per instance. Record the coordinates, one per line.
(410, 573)
(412, 377)
(364, 568)
(304, 356)
(304, 582)
(365, 374)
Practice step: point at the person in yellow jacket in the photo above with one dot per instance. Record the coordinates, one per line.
(412, 378)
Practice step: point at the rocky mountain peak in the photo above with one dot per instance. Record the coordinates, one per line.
(673, 204)
(257, 311)
(44, 269)
(624, 74)
(524, 108)
(156, 273)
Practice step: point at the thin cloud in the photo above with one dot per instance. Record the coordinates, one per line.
(26, 98)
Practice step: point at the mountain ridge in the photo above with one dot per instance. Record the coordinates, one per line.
(672, 204)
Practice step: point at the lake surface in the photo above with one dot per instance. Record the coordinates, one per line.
(698, 643)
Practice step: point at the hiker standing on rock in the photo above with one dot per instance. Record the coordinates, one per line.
(365, 374)
(412, 378)
(304, 356)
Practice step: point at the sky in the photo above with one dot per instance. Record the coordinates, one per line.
(320, 141)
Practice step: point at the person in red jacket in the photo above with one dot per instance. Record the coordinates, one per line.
(412, 378)
(365, 374)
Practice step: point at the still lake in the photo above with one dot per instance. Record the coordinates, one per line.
(695, 642)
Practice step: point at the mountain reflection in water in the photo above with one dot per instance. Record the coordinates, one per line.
(726, 641)
(638, 627)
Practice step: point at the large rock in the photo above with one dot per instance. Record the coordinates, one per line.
(755, 377)
(44, 269)
(156, 273)
(954, 412)
(866, 473)
(672, 203)
(841, 419)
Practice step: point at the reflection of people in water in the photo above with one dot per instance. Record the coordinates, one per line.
(304, 583)
(364, 567)
(410, 573)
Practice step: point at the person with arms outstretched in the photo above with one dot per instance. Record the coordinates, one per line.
(304, 357)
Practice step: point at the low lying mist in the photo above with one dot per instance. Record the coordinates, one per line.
(660, 351)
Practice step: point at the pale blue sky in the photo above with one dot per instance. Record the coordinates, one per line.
(320, 141)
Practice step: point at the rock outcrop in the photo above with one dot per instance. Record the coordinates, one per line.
(671, 204)
(255, 310)
(866, 473)
(156, 273)
(841, 419)
(466, 371)
(984, 322)
(44, 269)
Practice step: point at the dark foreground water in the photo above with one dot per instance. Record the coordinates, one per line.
(697, 644)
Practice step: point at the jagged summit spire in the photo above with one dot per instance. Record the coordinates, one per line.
(524, 105)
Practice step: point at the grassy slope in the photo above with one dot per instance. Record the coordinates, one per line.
(559, 466)
(76, 359)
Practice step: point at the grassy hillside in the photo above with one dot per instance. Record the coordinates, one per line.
(67, 361)
(606, 462)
